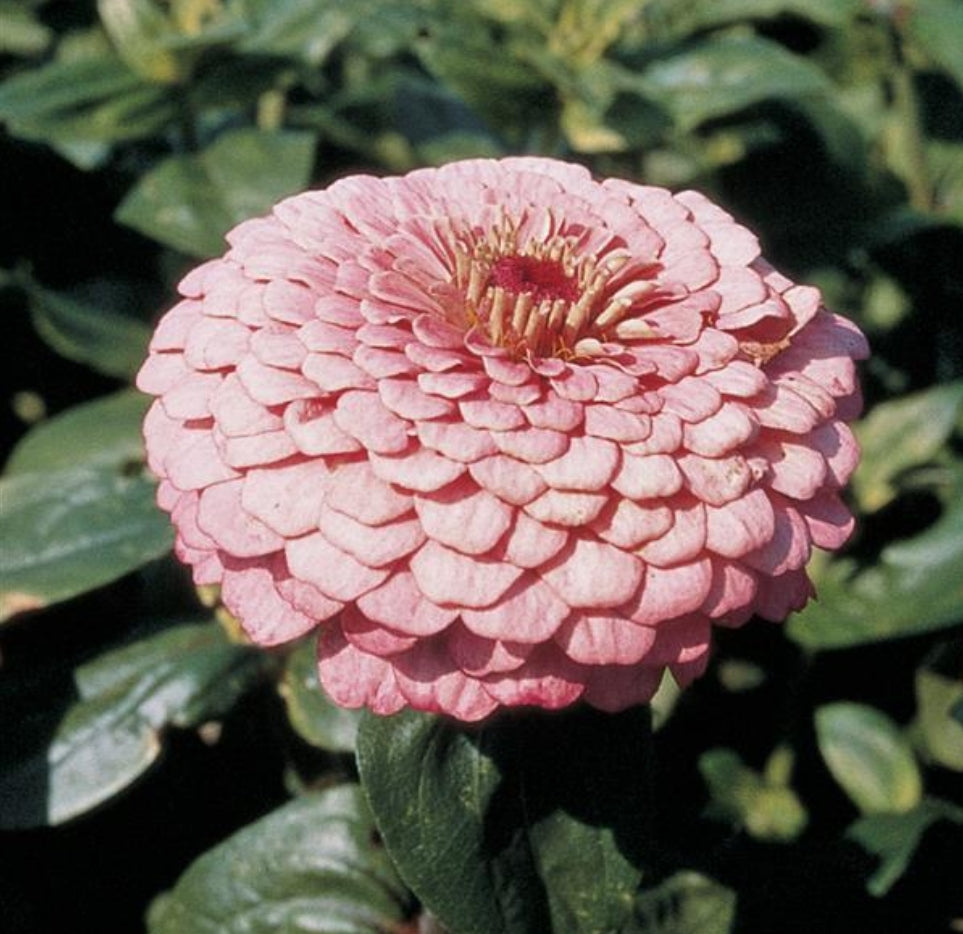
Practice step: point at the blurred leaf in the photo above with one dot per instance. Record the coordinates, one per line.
(936, 696)
(102, 433)
(713, 78)
(905, 433)
(937, 28)
(308, 31)
(501, 828)
(895, 837)
(869, 757)
(105, 340)
(312, 713)
(138, 29)
(310, 866)
(111, 732)
(767, 809)
(20, 32)
(68, 531)
(916, 586)
(686, 903)
(190, 202)
(90, 99)
(695, 15)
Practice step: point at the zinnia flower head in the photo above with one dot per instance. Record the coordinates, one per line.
(510, 435)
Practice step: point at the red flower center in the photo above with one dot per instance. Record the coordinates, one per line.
(542, 278)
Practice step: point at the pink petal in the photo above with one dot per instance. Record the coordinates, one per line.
(309, 600)
(566, 507)
(356, 679)
(593, 574)
(446, 576)
(334, 373)
(740, 526)
(730, 428)
(372, 637)
(256, 450)
(267, 618)
(796, 470)
(272, 386)
(554, 412)
(221, 515)
(777, 597)
(313, 429)
(733, 588)
(830, 523)
(358, 492)
(374, 546)
(464, 517)
(237, 414)
(399, 603)
(364, 416)
(195, 462)
(627, 525)
(417, 469)
(683, 541)
(216, 343)
(278, 348)
(681, 640)
(715, 481)
(547, 680)
(333, 571)
(508, 479)
(665, 437)
(588, 465)
(456, 440)
(191, 397)
(407, 400)
(836, 443)
(534, 445)
(530, 543)
(452, 385)
(693, 399)
(604, 421)
(597, 638)
(326, 338)
(783, 409)
(789, 547)
(616, 687)
(648, 476)
(670, 592)
(529, 612)
(492, 415)
(478, 657)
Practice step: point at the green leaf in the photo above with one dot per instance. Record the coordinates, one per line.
(105, 340)
(768, 809)
(312, 713)
(686, 903)
(900, 435)
(937, 695)
(110, 732)
(531, 823)
(894, 838)
(914, 587)
(68, 531)
(295, 29)
(20, 32)
(139, 29)
(309, 866)
(89, 99)
(869, 757)
(190, 202)
(937, 28)
(687, 18)
(102, 433)
(716, 77)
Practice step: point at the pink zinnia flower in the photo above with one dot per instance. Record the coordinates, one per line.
(514, 436)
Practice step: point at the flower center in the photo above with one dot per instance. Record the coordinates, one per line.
(550, 297)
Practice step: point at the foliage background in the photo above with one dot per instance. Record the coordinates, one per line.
(810, 781)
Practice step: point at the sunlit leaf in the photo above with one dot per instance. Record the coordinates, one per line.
(505, 828)
(105, 432)
(310, 866)
(689, 17)
(937, 694)
(190, 202)
(295, 29)
(20, 32)
(138, 29)
(109, 731)
(869, 757)
(70, 530)
(312, 713)
(937, 27)
(899, 435)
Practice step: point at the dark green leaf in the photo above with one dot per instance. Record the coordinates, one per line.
(768, 810)
(105, 432)
(895, 837)
(311, 712)
(90, 99)
(914, 587)
(869, 757)
(899, 435)
(105, 340)
(68, 531)
(528, 824)
(686, 903)
(312, 866)
(20, 32)
(686, 18)
(190, 202)
(295, 29)
(110, 732)
(717, 77)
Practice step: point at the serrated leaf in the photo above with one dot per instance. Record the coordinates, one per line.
(686, 903)
(68, 531)
(716, 77)
(894, 838)
(869, 757)
(899, 435)
(190, 202)
(310, 866)
(105, 432)
(105, 340)
(110, 732)
(312, 713)
(528, 824)
(915, 586)
(768, 810)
